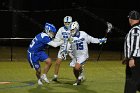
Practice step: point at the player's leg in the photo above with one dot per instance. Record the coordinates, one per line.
(44, 58)
(56, 69)
(46, 69)
(82, 75)
(57, 66)
(78, 69)
(47, 65)
(38, 75)
(37, 67)
(33, 61)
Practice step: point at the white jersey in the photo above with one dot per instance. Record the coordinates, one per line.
(63, 34)
(80, 44)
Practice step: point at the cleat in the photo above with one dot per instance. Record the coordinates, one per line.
(77, 82)
(40, 82)
(43, 77)
(46, 80)
(54, 79)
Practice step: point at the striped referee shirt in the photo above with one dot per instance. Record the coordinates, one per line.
(132, 42)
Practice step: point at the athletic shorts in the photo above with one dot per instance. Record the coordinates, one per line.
(81, 60)
(34, 58)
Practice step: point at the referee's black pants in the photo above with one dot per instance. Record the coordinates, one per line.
(132, 83)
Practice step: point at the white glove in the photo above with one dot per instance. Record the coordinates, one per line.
(103, 40)
(63, 54)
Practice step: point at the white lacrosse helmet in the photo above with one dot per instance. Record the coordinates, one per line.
(67, 21)
(74, 28)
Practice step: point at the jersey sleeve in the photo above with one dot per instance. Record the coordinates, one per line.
(46, 40)
(58, 34)
(91, 39)
(55, 44)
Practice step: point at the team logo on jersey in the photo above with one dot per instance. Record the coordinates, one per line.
(64, 33)
(80, 40)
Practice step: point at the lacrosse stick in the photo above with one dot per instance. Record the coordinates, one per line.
(64, 53)
(109, 25)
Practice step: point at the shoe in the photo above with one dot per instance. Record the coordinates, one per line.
(46, 80)
(40, 82)
(54, 79)
(43, 77)
(78, 82)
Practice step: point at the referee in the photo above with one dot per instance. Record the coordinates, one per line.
(132, 54)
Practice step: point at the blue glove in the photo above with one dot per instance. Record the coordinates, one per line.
(103, 40)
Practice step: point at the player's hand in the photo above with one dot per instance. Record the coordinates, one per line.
(103, 40)
(63, 55)
(70, 40)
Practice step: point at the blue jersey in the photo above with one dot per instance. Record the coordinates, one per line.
(39, 43)
(36, 51)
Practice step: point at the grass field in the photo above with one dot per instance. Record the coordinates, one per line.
(101, 77)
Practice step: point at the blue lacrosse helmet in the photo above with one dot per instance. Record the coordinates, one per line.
(50, 29)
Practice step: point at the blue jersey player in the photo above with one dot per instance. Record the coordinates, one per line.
(36, 51)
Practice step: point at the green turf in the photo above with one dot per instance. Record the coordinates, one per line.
(101, 77)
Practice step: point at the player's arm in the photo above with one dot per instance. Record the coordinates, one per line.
(58, 35)
(91, 39)
(55, 43)
(95, 40)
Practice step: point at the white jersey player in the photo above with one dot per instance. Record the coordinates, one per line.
(80, 49)
(63, 33)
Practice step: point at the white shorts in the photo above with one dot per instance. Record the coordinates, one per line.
(81, 60)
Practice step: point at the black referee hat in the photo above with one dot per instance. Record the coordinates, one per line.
(134, 15)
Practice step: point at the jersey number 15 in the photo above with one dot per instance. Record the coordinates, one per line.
(79, 46)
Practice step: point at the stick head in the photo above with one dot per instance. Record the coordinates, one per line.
(109, 25)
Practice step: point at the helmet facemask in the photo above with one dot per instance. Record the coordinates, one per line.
(50, 34)
(67, 24)
(67, 21)
(74, 31)
(74, 28)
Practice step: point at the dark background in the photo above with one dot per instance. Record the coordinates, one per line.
(26, 18)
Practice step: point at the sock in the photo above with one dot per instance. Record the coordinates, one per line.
(43, 76)
(55, 76)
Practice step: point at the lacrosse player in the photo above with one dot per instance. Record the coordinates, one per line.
(36, 51)
(79, 44)
(63, 33)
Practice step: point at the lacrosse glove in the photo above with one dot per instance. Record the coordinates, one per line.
(63, 54)
(103, 40)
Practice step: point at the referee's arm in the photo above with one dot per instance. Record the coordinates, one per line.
(135, 43)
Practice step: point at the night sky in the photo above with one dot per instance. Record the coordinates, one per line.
(27, 23)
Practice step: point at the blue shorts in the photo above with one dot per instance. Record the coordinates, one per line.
(34, 58)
